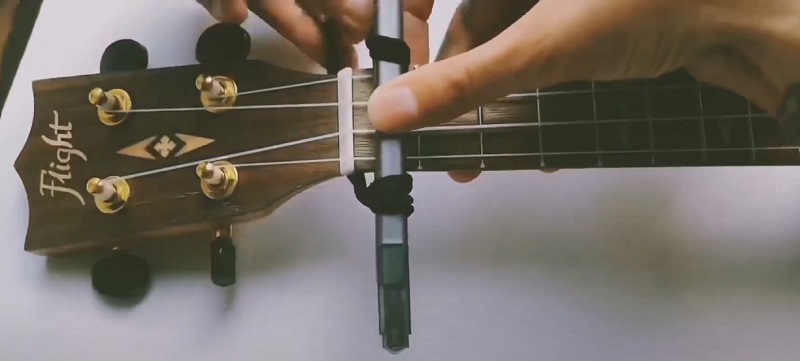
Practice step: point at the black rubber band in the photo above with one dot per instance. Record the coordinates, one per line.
(393, 50)
(386, 195)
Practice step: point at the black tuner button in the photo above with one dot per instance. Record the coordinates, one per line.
(121, 275)
(124, 55)
(223, 261)
(223, 43)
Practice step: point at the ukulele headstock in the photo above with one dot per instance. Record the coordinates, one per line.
(118, 157)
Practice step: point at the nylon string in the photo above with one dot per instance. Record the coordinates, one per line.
(368, 131)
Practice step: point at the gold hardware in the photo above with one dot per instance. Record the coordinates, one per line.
(216, 91)
(112, 106)
(110, 194)
(217, 180)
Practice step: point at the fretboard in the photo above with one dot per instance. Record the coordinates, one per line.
(672, 121)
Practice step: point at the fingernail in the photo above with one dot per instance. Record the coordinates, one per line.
(392, 109)
(789, 114)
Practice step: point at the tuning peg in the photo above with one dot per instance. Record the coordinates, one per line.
(223, 258)
(223, 43)
(113, 106)
(121, 275)
(218, 180)
(110, 194)
(124, 55)
(216, 92)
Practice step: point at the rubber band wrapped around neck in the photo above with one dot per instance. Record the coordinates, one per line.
(391, 194)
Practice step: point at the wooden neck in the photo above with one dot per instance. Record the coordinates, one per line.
(671, 121)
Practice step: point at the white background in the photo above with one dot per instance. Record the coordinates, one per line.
(580, 265)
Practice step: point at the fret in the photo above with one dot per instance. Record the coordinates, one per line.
(519, 141)
(596, 130)
(651, 134)
(513, 110)
(419, 151)
(566, 145)
(573, 103)
(540, 141)
(750, 130)
(616, 105)
(577, 140)
(676, 102)
(767, 133)
(481, 122)
(450, 144)
(729, 130)
(702, 125)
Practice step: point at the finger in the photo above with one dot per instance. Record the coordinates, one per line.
(554, 42)
(294, 24)
(728, 68)
(474, 23)
(354, 17)
(458, 39)
(464, 176)
(229, 11)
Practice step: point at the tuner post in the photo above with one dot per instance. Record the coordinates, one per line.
(113, 106)
(216, 92)
(218, 180)
(110, 194)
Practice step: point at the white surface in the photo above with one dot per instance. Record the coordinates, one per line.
(593, 265)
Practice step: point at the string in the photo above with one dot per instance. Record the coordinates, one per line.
(298, 85)
(367, 131)
(364, 103)
(469, 156)
(237, 107)
(423, 130)
(233, 155)
(450, 128)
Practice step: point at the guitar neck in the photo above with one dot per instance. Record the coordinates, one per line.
(671, 121)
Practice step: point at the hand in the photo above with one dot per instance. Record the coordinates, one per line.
(497, 47)
(298, 21)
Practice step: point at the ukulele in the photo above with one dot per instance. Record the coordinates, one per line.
(133, 155)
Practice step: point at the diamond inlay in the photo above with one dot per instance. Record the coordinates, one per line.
(164, 146)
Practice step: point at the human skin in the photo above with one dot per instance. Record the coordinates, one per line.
(498, 47)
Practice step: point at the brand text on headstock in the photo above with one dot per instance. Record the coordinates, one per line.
(56, 179)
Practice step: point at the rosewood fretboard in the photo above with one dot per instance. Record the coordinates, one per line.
(672, 121)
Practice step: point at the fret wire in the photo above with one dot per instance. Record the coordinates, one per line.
(596, 126)
(419, 151)
(702, 124)
(751, 131)
(649, 119)
(480, 123)
(539, 133)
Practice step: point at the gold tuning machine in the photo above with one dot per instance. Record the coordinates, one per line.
(218, 180)
(112, 105)
(216, 92)
(110, 194)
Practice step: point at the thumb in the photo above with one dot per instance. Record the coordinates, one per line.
(556, 41)
(230, 11)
